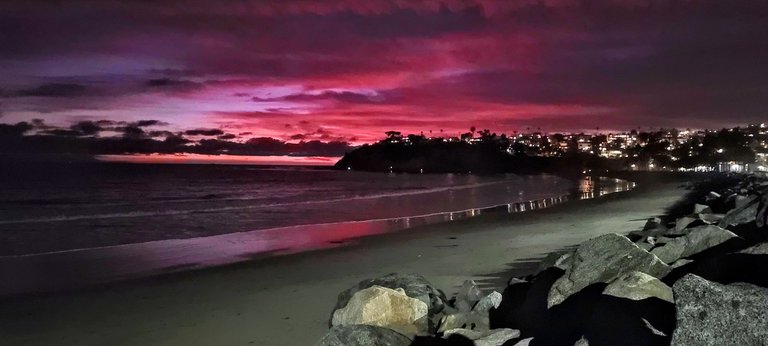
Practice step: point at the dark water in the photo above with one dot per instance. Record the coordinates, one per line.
(80, 206)
(70, 226)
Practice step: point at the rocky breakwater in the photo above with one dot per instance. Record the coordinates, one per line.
(697, 278)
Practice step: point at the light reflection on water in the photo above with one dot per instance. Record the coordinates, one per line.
(595, 187)
(588, 188)
(71, 269)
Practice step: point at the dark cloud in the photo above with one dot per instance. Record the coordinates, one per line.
(77, 139)
(160, 134)
(338, 96)
(204, 132)
(86, 128)
(103, 123)
(54, 90)
(172, 72)
(63, 132)
(15, 130)
(145, 123)
(168, 84)
(132, 131)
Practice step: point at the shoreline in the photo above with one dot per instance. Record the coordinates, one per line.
(287, 299)
(117, 263)
(297, 213)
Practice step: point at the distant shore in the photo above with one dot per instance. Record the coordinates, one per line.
(287, 300)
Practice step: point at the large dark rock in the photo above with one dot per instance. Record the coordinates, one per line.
(467, 296)
(362, 335)
(726, 269)
(639, 286)
(524, 305)
(761, 219)
(450, 340)
(495, 337)
(414, 285)
(745, 213)
(653, 228)
(603, 259)
(712, 314)
(555, 259)
(759, 249)
(607, 320)
(697, 240)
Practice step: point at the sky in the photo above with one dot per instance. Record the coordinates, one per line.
(342, 71)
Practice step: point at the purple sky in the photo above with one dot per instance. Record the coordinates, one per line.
(350, 70)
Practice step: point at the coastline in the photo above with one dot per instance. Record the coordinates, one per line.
(80, 268)
(286, 300)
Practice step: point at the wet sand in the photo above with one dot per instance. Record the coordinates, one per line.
(286, 300)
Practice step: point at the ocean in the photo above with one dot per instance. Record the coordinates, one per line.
(80, 206)
(74, 224)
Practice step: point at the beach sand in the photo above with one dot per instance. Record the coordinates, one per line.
(286, 300)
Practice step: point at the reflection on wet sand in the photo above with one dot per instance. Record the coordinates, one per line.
(590, 187)
(71, 269)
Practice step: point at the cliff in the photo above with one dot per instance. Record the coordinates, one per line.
(461, 157)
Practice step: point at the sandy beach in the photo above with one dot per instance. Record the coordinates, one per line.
(286, 300)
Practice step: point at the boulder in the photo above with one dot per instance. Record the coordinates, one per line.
(653, 228)
(556, 259)
(524, 342)
(701, 208)
(711, 218)
(494, 337)
(515, 281)
(762, 212)
(759, 249)
(603, 259)
(741, 201)
(709, 313)
(464, 320)
(697, 240)
(384, 307)
(652, 223)
(663, 240)
(415, 286)
(682, 223)
(362, 335)
(639, 286)
(681, 262)
(745, 213)
(488, 302)
(581, 342)
(469, 294)
(644, 245)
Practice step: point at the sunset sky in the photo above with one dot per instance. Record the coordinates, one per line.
(343, 70)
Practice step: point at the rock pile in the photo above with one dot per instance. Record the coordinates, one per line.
(698, 280)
